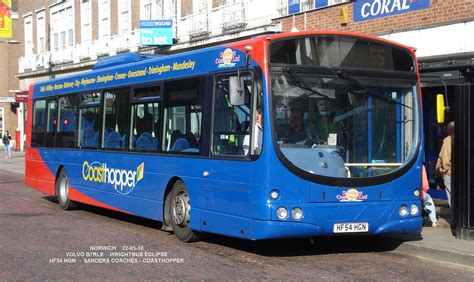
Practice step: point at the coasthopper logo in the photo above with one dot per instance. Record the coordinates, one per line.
(123, 180)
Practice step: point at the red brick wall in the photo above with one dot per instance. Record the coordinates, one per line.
(186, 7)
(135, 14)
(77, 21)
(440, 11)
(95, 19)
(217, 3)
(113, 17)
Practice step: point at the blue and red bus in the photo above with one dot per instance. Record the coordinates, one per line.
(286, 135)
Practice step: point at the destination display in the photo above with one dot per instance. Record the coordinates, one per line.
(109, 77)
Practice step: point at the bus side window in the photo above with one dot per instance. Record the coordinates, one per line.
(39, 123)
(145, 119)
(257, 117)
(52, 123)
(231, 122)
(115, 124)
(66, 136)
(89, 120)
(182, 116)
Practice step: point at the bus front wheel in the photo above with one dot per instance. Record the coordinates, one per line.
(180, 206)
(62, 191)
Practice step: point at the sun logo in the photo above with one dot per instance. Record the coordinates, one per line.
(227, 56)
(140, 170)
(352, 195)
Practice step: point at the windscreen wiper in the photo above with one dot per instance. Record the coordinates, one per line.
(348, 77)
(303, 85)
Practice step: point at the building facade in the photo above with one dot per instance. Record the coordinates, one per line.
(10, 50)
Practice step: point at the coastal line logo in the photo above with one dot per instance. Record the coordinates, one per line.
(123, 180)
(227, 59)
(351, 195)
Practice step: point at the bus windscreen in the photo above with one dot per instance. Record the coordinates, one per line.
(356, 125)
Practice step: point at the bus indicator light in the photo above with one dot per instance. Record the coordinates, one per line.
(416, 193)
(274, 194)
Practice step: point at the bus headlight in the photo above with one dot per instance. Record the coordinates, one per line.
(403, 211)
(297, 213)
(416, 193)
(274, 194)
(413, 209)
(282, 213)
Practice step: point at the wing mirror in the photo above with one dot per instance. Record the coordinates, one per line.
(237, 90)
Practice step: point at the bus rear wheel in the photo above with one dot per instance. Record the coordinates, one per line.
(179, 211)
(62, 191)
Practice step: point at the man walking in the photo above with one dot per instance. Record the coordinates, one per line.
(443, 166)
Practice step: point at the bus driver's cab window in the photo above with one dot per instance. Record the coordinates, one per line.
(232, 120)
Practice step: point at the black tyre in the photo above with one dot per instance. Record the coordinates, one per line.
(62, 191)
(166, 226)
(179, 211)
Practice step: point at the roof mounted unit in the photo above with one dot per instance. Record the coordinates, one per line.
(120, 59)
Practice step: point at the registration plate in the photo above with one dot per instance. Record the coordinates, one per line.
(351, 227)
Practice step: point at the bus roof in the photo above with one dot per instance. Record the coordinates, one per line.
(128, 69)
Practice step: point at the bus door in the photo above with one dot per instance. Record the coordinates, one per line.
(225, 193)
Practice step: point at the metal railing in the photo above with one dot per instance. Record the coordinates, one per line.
(198, 25)
(87, 51)
(233, 17)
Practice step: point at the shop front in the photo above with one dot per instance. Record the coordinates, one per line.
(453, 76)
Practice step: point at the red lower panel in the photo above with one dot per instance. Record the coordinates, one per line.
(80, 197)
(43, 186)
(37, 174)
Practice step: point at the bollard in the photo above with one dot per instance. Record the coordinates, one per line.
(17, 140)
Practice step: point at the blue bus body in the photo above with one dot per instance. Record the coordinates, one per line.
(228, 196)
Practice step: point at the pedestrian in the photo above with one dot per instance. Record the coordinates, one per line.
(443, 165)
(6, 142)
(427, 200)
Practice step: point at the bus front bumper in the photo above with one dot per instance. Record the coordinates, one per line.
(320, 220)
(269, 229)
